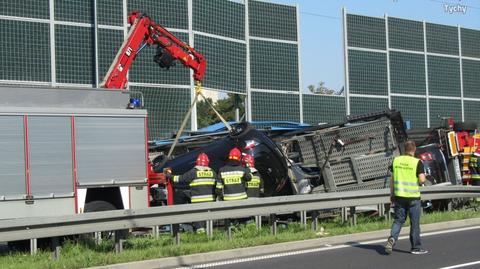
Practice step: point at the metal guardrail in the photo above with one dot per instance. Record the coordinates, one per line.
(42, 227)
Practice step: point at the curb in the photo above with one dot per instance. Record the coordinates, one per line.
(200, 258)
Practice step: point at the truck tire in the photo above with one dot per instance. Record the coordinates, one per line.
(99, 205)
(96, 206)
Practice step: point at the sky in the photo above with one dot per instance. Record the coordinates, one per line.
(321, 37)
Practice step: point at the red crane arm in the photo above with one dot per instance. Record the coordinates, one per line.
(145, 32)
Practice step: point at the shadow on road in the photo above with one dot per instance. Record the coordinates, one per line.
(380, 249)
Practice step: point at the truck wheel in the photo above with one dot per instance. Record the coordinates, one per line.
(97, 206)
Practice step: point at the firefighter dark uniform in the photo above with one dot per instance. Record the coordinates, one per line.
(232, 178)
(474, 167)
(255, 185)
(201, 182)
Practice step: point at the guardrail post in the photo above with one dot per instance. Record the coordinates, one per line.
(258, 222)
(176, 234)
(381, 210)
(156, 231)
(353, 216)
(118, 242)
(229, 232)
(303, 219)
(56, 248)
(273, 222)
(209, 228)
(315, 220)
(98, 238)
(33, 246)
(344, 214)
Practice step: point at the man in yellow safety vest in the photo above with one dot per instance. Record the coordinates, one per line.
(407, 174)
(474, 167)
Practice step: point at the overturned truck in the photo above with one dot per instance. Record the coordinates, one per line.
(352, 155)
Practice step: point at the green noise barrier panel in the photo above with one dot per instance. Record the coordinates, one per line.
(405, 34)
(471, 78)
(442, 39)
(472, 111)
(366, 32)
(168, 13)
(275, 106)
(412, 109)
(368, 72)
(110, 12)
(226, 63)
(26, 8)
(407, 73)
(219, 17)
(271, 20)
(74, 11)
(443, 76)
(274, 65)
(74, 54)
(323, 109)
(19, 60)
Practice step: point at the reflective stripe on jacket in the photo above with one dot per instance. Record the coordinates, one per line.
(201, 182)
(255, 185)
(473, 167)
(232, 179)
(405, 177)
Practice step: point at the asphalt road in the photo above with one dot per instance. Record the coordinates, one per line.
(460, 248)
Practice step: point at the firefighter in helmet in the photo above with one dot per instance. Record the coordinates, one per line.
(200, 180)
(255, 185)
(232, 178)
(474, 167)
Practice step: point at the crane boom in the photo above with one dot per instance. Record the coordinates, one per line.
(145, 32)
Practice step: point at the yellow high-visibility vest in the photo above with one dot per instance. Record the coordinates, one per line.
(405, 183)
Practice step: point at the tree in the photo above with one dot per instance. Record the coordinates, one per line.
(321, 89)
(226, 107)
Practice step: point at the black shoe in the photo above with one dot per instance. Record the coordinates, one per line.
(419, 251)
(389, 245)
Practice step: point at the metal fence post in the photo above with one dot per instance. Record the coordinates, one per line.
(56, 248)
(344, 214)
(353, 216)
(209, 226)
(303, 219)
(273, 222)
(118, 242)
(315, 220)
(258, 222)
(176, 234)
(156, 231)
(98, 238)
(33, 246)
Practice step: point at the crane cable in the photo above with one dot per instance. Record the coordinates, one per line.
(198, 91)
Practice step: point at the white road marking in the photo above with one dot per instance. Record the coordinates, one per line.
(461, 265)
(320, 249)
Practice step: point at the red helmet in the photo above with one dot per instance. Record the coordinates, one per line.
(235, 154)
(248, 160)
(202, 160)
(477, 152)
